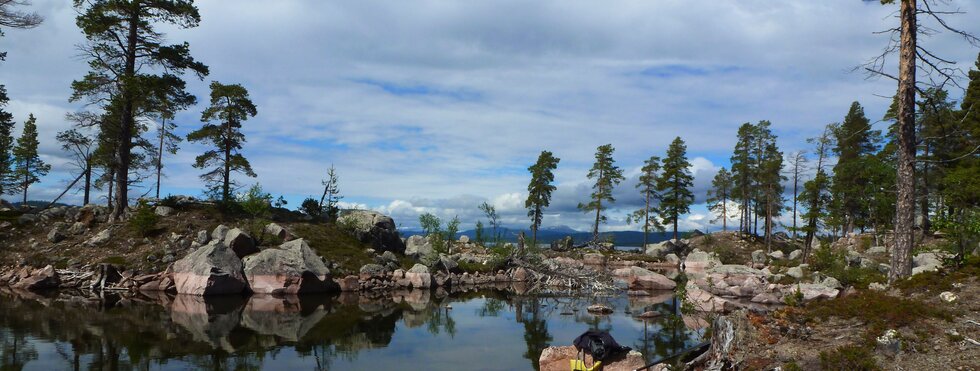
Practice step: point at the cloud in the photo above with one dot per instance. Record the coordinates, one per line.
(433, 106)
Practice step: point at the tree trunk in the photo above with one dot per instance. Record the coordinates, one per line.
(27, 173)
(163, 133)
(901, 262)
(226, 184)
(646, 220)
(124, 147)
(924, 205)
(724, 211)
(88, 181)
(796, 182)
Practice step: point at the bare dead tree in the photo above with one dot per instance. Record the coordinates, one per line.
(797, 167)
(11, 17)
(939, 71)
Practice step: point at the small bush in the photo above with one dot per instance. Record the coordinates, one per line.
(792, 366)
(796, 299)
(169, 201)
(849, 357)
(144, 221)
(255, 202)
(311, 207)
(879, 311)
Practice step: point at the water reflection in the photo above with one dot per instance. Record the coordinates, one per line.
(492, 329)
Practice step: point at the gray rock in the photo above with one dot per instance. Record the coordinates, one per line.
(464, 239)
(758, 256)
(213, 269)
(701, 259)
(202, 237)
(27, 219)
(419, 276)
(371, 270)
(448, 265)
(219, 232)
(831, 282)
(672, 258)
(876, 250)
(375, 228)
(291, 268)
(240, 242)
(389, 257)
(57, 233)
(164, 210)
(777, 255)
(926, 262)
(795, 272)
(77, 228)
(278, 231)
(795, 254)
(877, 286)
(100, 238)
(418, 246)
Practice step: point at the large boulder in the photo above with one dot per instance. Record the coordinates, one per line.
(643, 279)
(164, 211)
(213, 269)
(41, 279)
(701, 259)
(926, 262)
(240, 242)
(557, 359)
(418, 246)
(291, 268)
(278, 231)
(375, 228)
(419, 277)
(100, 238)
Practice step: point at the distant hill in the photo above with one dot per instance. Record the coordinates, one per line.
(547, 235)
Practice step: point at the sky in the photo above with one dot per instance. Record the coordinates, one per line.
(438, 106)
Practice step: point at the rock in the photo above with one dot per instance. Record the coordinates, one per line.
(594, 259)
(650, 314)
(448, 265)
(202, 237)
(100, 238)
(369, 271)
(795, 272)
(389, 257)
(599, 309)
(831, 282)
(776, 255)
(520, 275)
(213, 269)
(218, 234)
(564, 244)
(292, 268)
(926, 262)
(948, 297)
(278, 231)
(758, 256)
(672, 259)
(164, 210)
(375, 228)
(464, 239)
(701, 259)
(419, 276)
(41, 279)
(240, 242)
(877, 286)
(876, 250)
(418, 246)
(349, 283)
(558, 358)
(663, 248)
(889, 343)
(56, 234)
(77, 228)
(642, 279)
(795, 254)
(27, 219)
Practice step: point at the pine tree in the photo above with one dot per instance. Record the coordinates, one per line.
(743, 174)
(719, 195)
(771, 182)
(28, 166)
(6, 144)
(606, 175)
(855, 142)
(797, 165)
(230, 106)
(81, 147)
(331, 194)
(675, 184)
(123, 43)
(539, 190)
(648, 188)
(815, 197)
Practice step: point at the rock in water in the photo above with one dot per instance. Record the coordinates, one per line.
(419, 276)
(642, 279)
(213, 269)
(599, 309)
(291, 268)
(375, 228)
(41, 279)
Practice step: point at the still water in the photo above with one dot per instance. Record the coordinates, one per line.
(477, 330)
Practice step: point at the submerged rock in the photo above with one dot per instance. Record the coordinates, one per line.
(291, 268)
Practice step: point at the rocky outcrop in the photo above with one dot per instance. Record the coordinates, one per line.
(419, 276)
(240, 242)
(642, 279)
(701, 259)
(927, 262)
(41, 279)
(375, 228)
(558, 358)
(213, 269)
(292, 268)
(418, 246)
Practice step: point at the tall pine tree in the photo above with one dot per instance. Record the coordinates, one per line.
(28, 166)
(855, 143)
(648, 188)
(230, 106)
(539, 190)
(675, 184)
(719, 195)
(606, 175)
(743, 173)
(6, 144)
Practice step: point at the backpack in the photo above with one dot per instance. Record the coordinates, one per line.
(599, 344)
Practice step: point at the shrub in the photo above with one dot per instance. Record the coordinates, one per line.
(169, 201)
(255, 202)
(144, 221)
(311, 207)
(848, 357)
(879, 311)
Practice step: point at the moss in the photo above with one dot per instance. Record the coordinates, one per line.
(336, 246)
(941, 280)
(877, 310)
(115, 260)
(792, 366)
(849, 357)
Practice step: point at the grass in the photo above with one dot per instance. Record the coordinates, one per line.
(335, 245)
(849, 357)
(941, 280)
(118, 261)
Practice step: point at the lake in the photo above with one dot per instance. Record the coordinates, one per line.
(476, 330)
